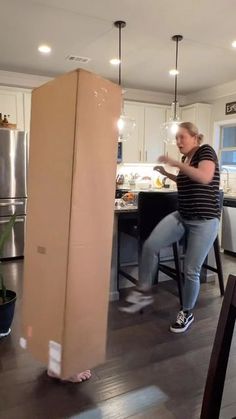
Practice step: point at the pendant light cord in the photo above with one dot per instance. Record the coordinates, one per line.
(120, 24)
(176, 79)
(176, 38)
(119, 55)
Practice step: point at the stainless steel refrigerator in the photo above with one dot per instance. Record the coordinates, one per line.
(13, 187)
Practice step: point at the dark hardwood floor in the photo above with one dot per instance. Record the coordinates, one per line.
(149, 373)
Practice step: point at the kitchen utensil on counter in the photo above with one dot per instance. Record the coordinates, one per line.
(130, 199)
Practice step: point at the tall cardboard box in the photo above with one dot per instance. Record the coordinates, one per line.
(71, 184)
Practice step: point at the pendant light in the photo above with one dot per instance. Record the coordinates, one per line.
(170, 128)
(125, 124)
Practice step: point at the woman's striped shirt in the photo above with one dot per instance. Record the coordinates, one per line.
(197, 200)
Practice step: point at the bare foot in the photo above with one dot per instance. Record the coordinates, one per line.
(77, 378)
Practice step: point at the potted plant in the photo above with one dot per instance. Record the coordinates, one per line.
(7, 297)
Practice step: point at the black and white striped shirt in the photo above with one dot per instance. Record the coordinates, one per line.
(197, 200)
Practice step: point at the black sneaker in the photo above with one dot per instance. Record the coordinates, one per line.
(183, 321)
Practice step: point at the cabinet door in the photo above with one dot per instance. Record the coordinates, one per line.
(133, 147)
(153, 145)
(11, 103)
(27, 110)
(189, 114)
(203, 121)
(171, 150)
(200, 115)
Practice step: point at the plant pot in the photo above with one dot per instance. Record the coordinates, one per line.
(6, 313)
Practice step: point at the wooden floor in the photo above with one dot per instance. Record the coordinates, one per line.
(150, 372)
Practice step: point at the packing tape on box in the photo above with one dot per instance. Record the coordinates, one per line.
(54, 361)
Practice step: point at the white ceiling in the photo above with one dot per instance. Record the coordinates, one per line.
(85, 28)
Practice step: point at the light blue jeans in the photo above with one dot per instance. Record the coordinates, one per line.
(200, 238)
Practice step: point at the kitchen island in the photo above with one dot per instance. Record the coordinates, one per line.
(129, 246)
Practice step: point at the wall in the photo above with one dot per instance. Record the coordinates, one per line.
(218, 118)
(151, 97)
(218, 96)
(9, 78)
(29, 81)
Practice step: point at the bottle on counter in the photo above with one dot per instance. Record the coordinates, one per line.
(120, 179)
(5, 120)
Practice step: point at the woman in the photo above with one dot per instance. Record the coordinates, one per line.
(198, 218)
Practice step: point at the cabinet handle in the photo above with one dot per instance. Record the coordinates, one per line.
(139, 155)
(146, 155)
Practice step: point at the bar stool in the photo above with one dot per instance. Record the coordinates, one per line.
(152, 208)
(218, 269)
(171, 272)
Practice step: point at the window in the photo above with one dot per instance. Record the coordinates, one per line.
(228, 148)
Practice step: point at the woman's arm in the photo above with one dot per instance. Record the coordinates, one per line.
(203, 173)
(163, 172)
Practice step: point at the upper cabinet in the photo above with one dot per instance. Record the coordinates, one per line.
(200, 115)
(145, 143)
(27, 110)
(17, 105)
(154, 117)
(133, 147)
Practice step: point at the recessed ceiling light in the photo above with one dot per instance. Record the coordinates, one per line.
(234, 44)
(115, 61)
(44, 49)
(173, 72)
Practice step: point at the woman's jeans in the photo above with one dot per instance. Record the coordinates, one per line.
(200, 238)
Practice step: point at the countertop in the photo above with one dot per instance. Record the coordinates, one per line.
(134, 208)
(127, 208)
(231, 195)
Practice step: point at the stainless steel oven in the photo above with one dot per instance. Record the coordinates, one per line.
(228, 242)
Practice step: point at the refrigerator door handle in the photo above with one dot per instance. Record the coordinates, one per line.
(7, 204)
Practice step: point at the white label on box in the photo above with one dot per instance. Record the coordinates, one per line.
(54, 363)
(23, 343)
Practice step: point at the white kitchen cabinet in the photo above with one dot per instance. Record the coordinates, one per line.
(27, 110)
(145, 144)
(133, 147)
(200, 115)
(16, 104)
(11, 103)
(154, 117)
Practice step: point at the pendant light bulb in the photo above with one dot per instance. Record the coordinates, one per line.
(170, 128)
(125, 124)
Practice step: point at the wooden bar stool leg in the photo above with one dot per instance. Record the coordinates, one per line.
(175, 247)
(156, 279)
(118, 263)
(219, 265)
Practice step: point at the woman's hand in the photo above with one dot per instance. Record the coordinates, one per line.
(168, 160)
(160, 169)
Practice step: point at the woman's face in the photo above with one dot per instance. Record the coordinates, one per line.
(185, 142)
